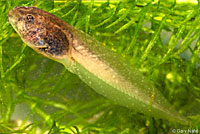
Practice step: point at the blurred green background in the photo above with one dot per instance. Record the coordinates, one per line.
(160, 38)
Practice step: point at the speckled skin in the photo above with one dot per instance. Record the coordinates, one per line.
(42, 31)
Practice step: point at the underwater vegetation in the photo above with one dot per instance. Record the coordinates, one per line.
(159, 38)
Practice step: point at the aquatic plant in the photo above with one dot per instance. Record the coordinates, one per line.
(160, 38)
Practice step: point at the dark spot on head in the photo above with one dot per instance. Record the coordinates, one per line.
(45, 39)
(55, 45)
(20, 18)
(50, 42)
(22, 12)
(41, 35)
(33, 32)
(20, 7)
(38, 29)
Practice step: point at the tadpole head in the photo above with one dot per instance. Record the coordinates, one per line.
(40, 30)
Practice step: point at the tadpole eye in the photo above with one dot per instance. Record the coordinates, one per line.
(29, 18)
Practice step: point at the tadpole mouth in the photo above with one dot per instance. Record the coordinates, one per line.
(12, 15)
(12, 12)
(15, 12)
(9, 15)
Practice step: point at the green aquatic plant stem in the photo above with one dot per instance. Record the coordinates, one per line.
(1, 53)
(34, 101)
(172, 43)
(31, 74)
(114, 12)
(1, 61)
(17, 61)
(151, 43)
(87, 22)
(146, 1)
(122, 17)
(138, 28)
(70, 10)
